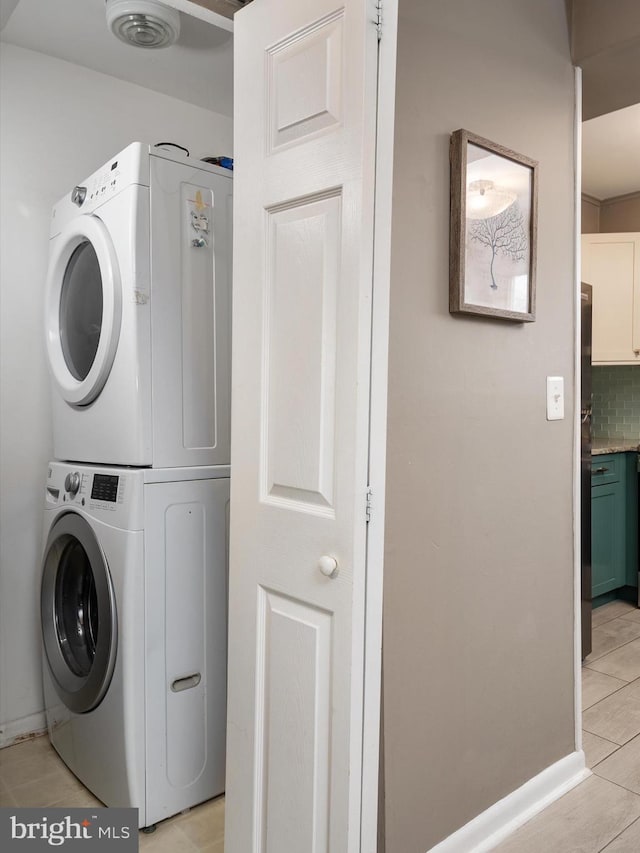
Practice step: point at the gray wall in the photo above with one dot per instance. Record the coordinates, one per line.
(612, 215)
(478, 606)
(620, 214)
(590, 215)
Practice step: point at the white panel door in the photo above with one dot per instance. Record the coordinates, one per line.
(305, 111)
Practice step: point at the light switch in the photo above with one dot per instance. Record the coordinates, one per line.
(555, 398)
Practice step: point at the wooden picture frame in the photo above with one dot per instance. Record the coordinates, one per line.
(493, 230)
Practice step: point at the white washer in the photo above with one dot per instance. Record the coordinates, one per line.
(133, 608)
(138, 313)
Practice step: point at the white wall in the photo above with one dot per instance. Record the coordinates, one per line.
(59, 123)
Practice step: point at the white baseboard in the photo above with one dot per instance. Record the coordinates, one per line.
(491, 827)
(18, 730)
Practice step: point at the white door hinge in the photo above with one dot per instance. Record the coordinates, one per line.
(367, 510)
(378, 20)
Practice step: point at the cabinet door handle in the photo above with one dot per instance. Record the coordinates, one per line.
(601, 470)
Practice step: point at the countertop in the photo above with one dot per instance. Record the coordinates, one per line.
(600, 446)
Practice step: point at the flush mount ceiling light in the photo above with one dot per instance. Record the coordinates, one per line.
(485, 200)
(143, 23)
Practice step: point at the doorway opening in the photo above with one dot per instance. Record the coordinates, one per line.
(610, 434)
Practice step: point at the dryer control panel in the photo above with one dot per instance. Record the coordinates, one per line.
(107, 181)
(129, 167)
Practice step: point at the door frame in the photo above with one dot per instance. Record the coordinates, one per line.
(577, 462)
(373, 696)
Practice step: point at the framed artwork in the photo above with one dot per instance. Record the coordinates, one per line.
(492, 243)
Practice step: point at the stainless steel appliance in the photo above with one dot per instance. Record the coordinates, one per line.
(585, 463)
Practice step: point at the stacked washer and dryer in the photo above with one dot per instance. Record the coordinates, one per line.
(134, 577)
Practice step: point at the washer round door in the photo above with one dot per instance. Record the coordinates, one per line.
(83, 309)
(78, 611)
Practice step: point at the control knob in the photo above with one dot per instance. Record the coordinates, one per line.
(72, 483)
(78, 195)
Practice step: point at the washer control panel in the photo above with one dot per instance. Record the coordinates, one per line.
(65, 485)
(105, 487)
(111, 494)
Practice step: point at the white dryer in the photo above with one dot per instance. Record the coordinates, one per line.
(138, 313)
(133, 608)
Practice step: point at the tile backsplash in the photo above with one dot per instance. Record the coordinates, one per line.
(616, 402)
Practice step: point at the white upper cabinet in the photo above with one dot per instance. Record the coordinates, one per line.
(611, 264)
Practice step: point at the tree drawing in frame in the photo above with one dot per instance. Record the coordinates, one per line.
(492, 229)
(502, 233)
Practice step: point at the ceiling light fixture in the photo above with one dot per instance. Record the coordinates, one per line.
(143, 23)
(485, 200)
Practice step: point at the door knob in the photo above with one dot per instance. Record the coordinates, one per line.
(328, 566)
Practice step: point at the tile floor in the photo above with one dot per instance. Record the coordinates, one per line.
(602, 813)
(32, 774)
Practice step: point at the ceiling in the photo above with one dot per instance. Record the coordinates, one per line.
(605, 45)
(197, 69)
(611, 154)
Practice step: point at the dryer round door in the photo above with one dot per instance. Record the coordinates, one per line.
(78, 611)
(83, 309)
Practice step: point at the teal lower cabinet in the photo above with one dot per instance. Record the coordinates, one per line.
(614, 523)
(607, 538)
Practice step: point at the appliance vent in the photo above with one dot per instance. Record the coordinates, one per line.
(143, 23)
